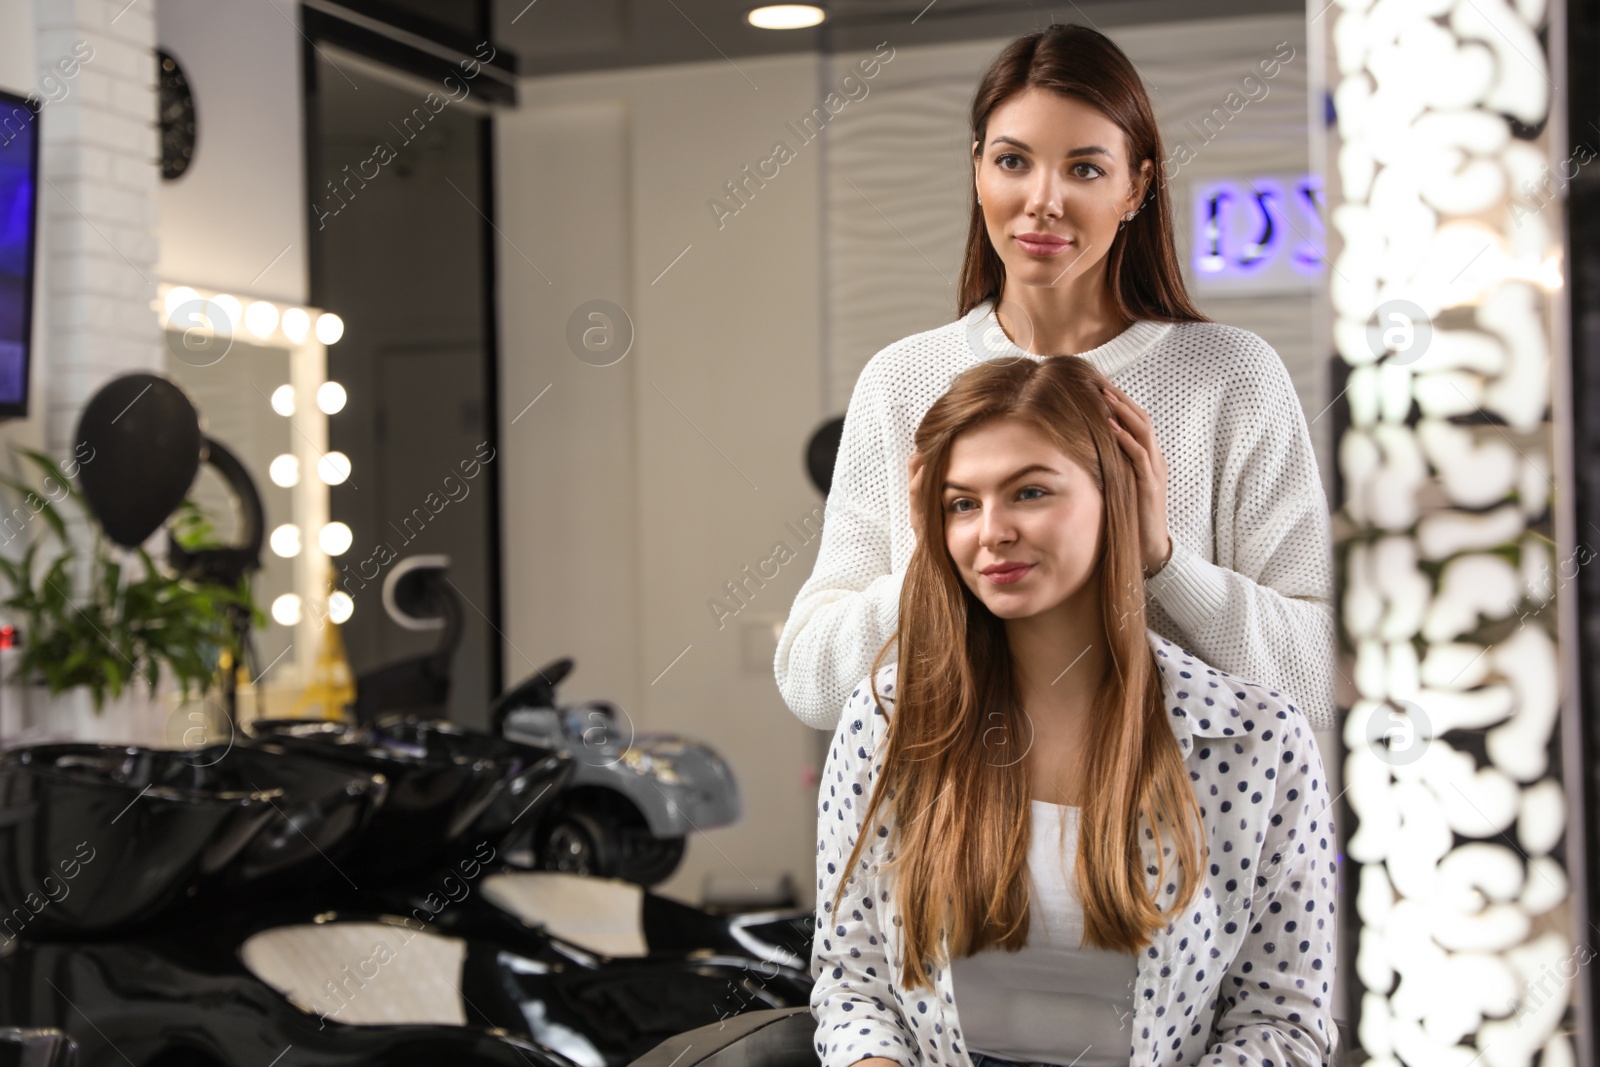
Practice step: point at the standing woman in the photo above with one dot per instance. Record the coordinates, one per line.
(1070, 251)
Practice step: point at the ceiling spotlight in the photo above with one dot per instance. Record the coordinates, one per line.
(785, 16)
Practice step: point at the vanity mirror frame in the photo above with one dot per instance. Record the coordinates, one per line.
(204, 316)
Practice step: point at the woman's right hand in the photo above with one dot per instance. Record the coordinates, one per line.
(914, 469)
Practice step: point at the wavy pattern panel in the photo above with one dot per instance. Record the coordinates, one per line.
(1445, 289)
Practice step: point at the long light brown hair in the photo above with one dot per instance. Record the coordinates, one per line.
(1142, 265)
(959, 794)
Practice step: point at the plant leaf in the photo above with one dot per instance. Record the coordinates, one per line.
(48, 468)
(46, 508)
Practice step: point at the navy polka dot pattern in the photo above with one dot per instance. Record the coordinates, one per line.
(1250, 582)
(1241, 977)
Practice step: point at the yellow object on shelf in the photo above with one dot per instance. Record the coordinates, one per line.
(332, 685)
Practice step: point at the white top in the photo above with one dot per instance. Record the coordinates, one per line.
(1249, 583)
(1053, 1000)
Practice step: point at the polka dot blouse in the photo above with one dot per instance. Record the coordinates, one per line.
(1241, 978)
(1250, 581)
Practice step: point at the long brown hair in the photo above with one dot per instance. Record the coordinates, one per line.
(962, 816)
(1142, 266)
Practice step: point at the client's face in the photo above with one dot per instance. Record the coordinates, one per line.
(1021, 519)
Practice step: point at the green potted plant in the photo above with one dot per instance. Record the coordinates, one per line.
(95, 621)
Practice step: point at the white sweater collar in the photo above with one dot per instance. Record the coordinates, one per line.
(989, 341)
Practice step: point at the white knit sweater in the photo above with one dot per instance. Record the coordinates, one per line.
(1248, 587)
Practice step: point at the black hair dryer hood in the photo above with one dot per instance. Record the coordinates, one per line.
(146, 438)
(822, 452)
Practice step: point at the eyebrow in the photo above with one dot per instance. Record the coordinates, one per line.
(1031, 468)
(1086, 150)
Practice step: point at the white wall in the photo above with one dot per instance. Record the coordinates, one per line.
(633, 493)
(226, 223)
(16, 45)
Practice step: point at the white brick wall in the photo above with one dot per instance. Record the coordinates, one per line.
(99, 175)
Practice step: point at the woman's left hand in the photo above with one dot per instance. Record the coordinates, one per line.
(1137, 435)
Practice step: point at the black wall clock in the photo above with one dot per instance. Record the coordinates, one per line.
(176, 108)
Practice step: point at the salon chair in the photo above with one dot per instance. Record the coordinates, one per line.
(781, 1037)
(30, 1047)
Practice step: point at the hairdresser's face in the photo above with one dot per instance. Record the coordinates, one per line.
(1056, 165)
(1011, 496)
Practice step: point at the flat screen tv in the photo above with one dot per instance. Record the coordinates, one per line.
(19, 214)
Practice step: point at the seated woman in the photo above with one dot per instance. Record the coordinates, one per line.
(1047, 834)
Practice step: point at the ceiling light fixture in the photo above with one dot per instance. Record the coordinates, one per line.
(785, 16)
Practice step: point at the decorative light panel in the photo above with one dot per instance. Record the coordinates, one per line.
(1445, 289)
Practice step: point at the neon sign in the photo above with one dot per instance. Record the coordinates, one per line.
(1257, 235)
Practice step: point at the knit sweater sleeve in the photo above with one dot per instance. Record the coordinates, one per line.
(1268, 618)
(850, 605)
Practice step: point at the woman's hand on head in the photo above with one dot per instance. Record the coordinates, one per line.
(914, 469)
(1137, 436)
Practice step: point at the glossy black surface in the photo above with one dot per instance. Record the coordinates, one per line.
(183, 986)
(320, 815)
(36, 1048)
(96, 839)
(534, 776)
(448, 788)
(138, 960)
(182, 1001)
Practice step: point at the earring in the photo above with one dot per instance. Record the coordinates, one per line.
(980, 201)
(1129, 216)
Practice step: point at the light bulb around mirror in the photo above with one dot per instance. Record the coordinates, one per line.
(261, 318)
(335, 538)
(340, 607)
(286, 610)
(331, 398)
(330, 328)
(177, 296)
(232, 308)
(284, 471)
(283, 400)
(285, 540)
(333, 468)
(295, 324)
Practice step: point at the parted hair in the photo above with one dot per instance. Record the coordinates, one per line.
(1142, 266)
(951, 777)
